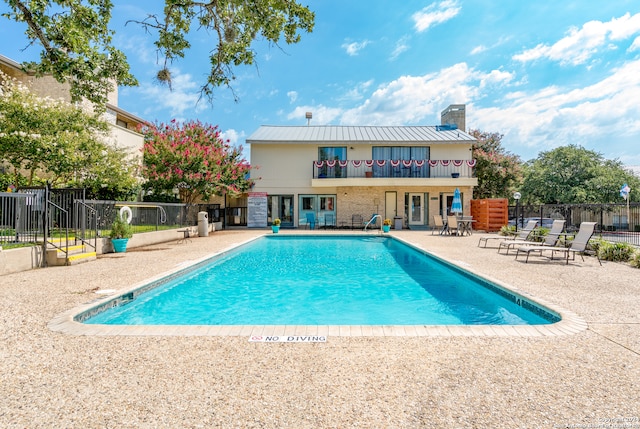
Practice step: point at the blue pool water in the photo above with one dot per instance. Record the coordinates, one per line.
(325, 280)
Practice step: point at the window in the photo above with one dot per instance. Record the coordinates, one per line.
(332, 154)
(326, 203)
(307, 203)
(404, 153)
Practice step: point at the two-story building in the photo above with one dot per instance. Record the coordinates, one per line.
(122, 123)
(336, 174)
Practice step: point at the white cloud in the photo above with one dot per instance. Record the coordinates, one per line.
(635, 46)
(322, 115)
(556, 116)
(579, 45)
(232, 135)
(436, 13)
(293, 96)
(182, 97)
(401, 46)
(478, 49)
(482, 48)
(419, 99)
(357, 91)
(354, 48)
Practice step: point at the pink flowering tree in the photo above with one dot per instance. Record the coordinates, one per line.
(499, 172)
(192, 158)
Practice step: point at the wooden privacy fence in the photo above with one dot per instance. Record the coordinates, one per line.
(490, 214)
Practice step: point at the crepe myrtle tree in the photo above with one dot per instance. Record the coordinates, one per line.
(77, 41)
(498, 171)
(193, 158)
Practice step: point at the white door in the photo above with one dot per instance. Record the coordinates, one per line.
(390, 205)
(416, 209)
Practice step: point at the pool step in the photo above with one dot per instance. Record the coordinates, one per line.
(75, 254)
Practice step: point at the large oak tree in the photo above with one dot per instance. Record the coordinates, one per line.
(77, 42)
(573, 174)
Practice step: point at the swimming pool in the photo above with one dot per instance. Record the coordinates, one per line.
(321, 280)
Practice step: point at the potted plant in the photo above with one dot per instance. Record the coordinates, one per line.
(275, 226)
(120, 234)
(386, 225)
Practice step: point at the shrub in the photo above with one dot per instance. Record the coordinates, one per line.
(635, 259)
(120, 228)
(617, 252)
(507, 230)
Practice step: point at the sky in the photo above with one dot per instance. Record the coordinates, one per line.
(542, 73)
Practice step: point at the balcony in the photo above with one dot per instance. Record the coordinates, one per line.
(393, 169)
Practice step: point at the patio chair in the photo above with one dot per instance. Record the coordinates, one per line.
(311, 220)
(356, 221)
(329, 221)
(522, 235)
(373, 221)
(452, 225)
(550, 240)
(438, 224)
(578, 245)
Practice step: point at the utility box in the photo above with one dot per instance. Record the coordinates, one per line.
(203, 224)
(397, 222)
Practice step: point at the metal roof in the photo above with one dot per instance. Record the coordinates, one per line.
(358, 134)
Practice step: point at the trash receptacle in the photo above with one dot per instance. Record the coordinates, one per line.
(397, 222)
(203, 224)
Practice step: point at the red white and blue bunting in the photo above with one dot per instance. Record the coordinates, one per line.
(396, 162)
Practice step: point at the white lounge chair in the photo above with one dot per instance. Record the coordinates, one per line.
(522, 235)
(578, 245)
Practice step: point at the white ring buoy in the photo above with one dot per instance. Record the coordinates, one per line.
(125, 214)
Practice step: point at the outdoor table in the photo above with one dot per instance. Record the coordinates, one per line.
(465, 226)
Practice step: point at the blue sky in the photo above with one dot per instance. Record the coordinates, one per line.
(544, 73)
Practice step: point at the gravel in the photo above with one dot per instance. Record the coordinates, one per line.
(51, 379)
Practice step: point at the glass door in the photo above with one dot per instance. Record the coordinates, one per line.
(416, 209)
(281, 207)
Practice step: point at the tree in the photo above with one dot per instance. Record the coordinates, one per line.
(50, 140)
(192, 158)
(498, 171)
(573, 174)
(77, 42)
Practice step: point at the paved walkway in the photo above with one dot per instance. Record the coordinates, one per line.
(590, 377)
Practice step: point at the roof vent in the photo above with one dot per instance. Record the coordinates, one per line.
(308, 115)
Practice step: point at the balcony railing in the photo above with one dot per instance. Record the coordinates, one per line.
(393, 168)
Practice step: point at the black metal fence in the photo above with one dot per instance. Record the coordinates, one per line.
(21, 217)
(145, 216)
(615, 222)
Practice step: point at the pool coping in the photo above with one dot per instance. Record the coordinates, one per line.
(66, 322)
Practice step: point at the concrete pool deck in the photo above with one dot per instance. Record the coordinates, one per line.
(586, 376)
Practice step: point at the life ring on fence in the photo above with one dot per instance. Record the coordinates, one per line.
(125, 214)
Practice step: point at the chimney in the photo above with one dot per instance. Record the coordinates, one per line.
(454, 115)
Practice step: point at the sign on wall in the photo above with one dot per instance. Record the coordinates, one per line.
(257, 210)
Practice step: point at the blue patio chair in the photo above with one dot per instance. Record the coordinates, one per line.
(311, 220)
